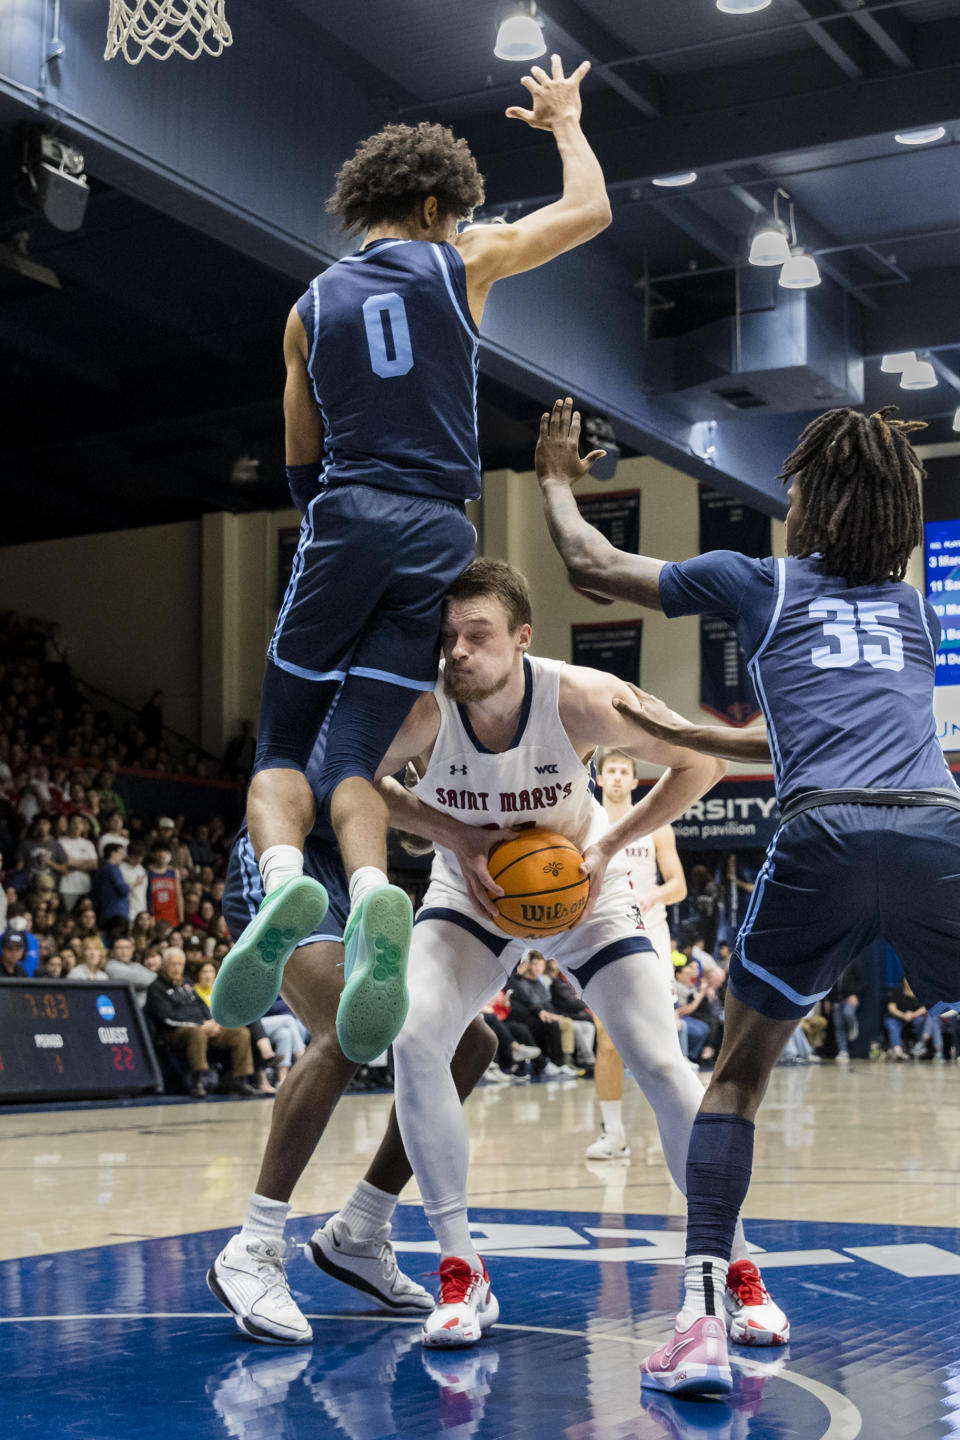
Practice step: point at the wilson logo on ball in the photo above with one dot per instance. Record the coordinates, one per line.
(544, 888)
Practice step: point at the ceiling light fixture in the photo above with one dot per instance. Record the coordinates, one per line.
(897, 361)
(800, 272)
(925, 136)
(520, 37)
(668, 182)
(956, 419)
(919, 376)
(742, 7)
(771, 240)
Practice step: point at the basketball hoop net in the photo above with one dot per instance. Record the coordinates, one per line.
(158, 27)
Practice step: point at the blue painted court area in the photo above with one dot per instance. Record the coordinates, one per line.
(126, 1342)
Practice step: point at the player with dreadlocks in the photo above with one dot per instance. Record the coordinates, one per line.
(842, 654)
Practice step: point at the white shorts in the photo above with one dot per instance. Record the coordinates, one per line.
(614, 928)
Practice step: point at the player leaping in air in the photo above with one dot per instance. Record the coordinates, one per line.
(842, 656)
(381, 447)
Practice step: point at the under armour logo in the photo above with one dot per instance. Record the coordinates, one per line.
(454, 768)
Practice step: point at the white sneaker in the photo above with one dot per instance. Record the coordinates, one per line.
(525, 1052)
(752, 1317)
(609, 1145)
(466, 1306)
(570, 1071)
(843, 1058)
(367, 1265)
(551, 1071)
(248, 1278)
(495, 1076)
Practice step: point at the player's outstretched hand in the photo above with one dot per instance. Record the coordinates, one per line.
(650, 714)
(472, 851)
(558, 446)
(555, 97)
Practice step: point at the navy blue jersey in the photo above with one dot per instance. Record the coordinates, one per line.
(392, 356)
(844, 674)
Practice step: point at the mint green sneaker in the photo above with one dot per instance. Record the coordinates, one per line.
(250, 977)
(374, 1002)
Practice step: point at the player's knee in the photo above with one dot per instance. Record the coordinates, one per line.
(419, 1048)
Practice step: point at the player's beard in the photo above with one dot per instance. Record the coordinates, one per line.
(467, 694)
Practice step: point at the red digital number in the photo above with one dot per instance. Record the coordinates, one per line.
(1, 1064)
(117, 1052)
(123, 1057)
(129, 1062)
(58, 1061)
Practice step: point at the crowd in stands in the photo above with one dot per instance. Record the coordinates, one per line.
(94, 891)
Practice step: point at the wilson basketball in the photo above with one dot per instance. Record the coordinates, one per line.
(544, 888)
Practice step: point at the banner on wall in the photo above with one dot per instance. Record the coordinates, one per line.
(288, 539)
(942, 571)
(614, 648)
(726, 689)
(740, 813)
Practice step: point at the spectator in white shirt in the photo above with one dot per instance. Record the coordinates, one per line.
(113, 833)
(82, 861)
(134, 872)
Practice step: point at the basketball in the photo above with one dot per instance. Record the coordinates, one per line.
(544, 889)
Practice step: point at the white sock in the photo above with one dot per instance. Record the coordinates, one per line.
(367, 1211)
(611, 1112)
(265, 1219)
(280, 863)
(448, 1220)
(738, 1250)
(362, 881)
(704, 1281)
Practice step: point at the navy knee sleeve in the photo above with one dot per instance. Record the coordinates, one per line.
(368, 715)
(719, 1164)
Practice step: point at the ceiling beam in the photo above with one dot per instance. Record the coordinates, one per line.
(888, 31)
(839, 46)
(581, 37)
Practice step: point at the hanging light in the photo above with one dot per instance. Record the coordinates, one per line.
(956, 418)
(770, 246)
(668, 182)
(800, 272)
(925, 136)
(918, 376)
(897, 361)
(520, 37)
(742, 7)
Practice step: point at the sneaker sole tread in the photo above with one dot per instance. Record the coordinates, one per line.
(247, 1325)
(695, 1380)
(373, 1006)
(250, 976)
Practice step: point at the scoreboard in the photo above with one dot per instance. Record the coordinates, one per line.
(73, 1040)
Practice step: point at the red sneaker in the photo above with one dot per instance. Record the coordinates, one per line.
(465, 1307)
(752, 1317)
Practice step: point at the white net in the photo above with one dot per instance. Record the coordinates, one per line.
(160, 27)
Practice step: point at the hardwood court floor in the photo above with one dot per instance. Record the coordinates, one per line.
(111, 1216)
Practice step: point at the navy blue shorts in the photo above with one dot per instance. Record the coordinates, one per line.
(360, 619)
(367, 586)
(243, 888)
(837, 878)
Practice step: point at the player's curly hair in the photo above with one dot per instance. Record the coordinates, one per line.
(393, 171)
(859, 480)
(502, 581)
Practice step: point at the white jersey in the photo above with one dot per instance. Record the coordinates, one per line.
(641, 858)
(538, 780)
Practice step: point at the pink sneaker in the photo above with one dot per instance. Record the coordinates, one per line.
(694, 1362)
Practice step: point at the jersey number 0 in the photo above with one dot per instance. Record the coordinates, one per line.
(388, 335)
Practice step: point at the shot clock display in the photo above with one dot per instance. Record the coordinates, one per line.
(72, 1040)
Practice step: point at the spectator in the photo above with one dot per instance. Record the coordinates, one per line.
(201, 850)
(93, 960)
(692, 1008)
(12, 951)
(529, 1003)
(152, 959)
(111, 893)
(134, 872)
(240, 750)
(707, 898)
(111, 801)
(144, 932)
(50, 967)
(68, 960)
(844, 1010)
(81, 860)
(183, 1022)
(565, 1001)
(902, 1009)
(40, 853)
(21, 920)
(122, 965)
(164, 892)
(287, 1036)
(115, 831)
